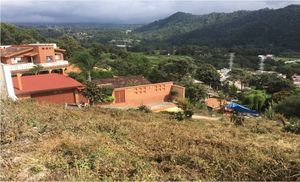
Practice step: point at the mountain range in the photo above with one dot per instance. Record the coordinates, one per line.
(260, 28)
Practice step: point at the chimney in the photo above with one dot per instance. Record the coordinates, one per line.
(19, 81)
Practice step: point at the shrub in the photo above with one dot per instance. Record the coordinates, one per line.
(289, 107)
(179, 116)
(269, 112)
(254, 99)
(109, 99)
(187, 107)
(97, 94)
(144, 109)
(293, 126)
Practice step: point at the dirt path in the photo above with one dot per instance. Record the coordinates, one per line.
(206, 117)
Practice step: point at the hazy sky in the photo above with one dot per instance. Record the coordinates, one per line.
(120, 11)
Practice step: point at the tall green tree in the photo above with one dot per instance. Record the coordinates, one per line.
(208, 74)
(69, 44)
(254, 99)
(193, 92)
(238, 74)
(271, 83)
(97, 94)
(131, 64)
(85, 62)
(172, 70)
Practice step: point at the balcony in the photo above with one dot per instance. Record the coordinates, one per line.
(21, 67)
(60, 63)
(27, 66)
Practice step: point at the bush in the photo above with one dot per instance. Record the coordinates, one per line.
(144, 109)
(293, 126)
(97, 94)
(77, 76)
(109, 99)
(254, 99)
(289, 107)
(101, 74)
(187, 107)
(179, 116)
(269, 112)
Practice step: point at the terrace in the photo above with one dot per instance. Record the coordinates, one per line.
(28, 66)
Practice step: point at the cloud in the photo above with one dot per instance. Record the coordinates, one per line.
(120, 11)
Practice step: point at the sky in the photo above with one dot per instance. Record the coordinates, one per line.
(120, 11)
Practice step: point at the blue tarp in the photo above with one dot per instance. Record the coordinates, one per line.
(240, 108)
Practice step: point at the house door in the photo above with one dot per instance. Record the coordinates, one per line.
(120, 96)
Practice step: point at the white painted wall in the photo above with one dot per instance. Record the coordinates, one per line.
(7, 87)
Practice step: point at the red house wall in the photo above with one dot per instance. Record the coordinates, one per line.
(142, 94)
(56, 97)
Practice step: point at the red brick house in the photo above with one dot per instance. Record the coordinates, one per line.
(22, 58)
(137, 90)
(49, 88)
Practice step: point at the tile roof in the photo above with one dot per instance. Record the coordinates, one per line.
(44, 82)
(122, 81)
(10, 51)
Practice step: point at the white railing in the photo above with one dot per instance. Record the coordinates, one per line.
(28, 66)
(56, 63)
(24, 66)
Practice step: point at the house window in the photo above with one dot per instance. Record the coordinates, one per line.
(49, 59)
(57, 57)
(15, 60)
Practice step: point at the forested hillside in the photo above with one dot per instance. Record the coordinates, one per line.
(10, 34)
(261, 28)
(180, 23)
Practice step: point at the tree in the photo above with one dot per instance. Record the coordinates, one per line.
(240, 75)
(172, 70)
(230, 90)
(131, 64)
(289, 107)
(271, 83)
(85, 62)
(208, 74)
(193, 92)
(69, 44)
(11, 34)
(97, 94)
(36, 69)
(254, 99)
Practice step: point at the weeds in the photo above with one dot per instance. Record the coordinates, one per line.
(102, 144)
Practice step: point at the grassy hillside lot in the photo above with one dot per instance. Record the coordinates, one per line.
(41, 142)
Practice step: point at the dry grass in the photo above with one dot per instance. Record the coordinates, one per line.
(52, 143)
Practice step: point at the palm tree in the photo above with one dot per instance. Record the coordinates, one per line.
(36, 69)
(85, 62)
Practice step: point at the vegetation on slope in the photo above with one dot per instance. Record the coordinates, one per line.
(44, 142)
(262, 28)
(180, 23)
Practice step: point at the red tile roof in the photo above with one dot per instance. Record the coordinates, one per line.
(122, 81)
(44, 82)
(11, 51)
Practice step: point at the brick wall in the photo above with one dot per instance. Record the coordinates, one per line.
(143, 94)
